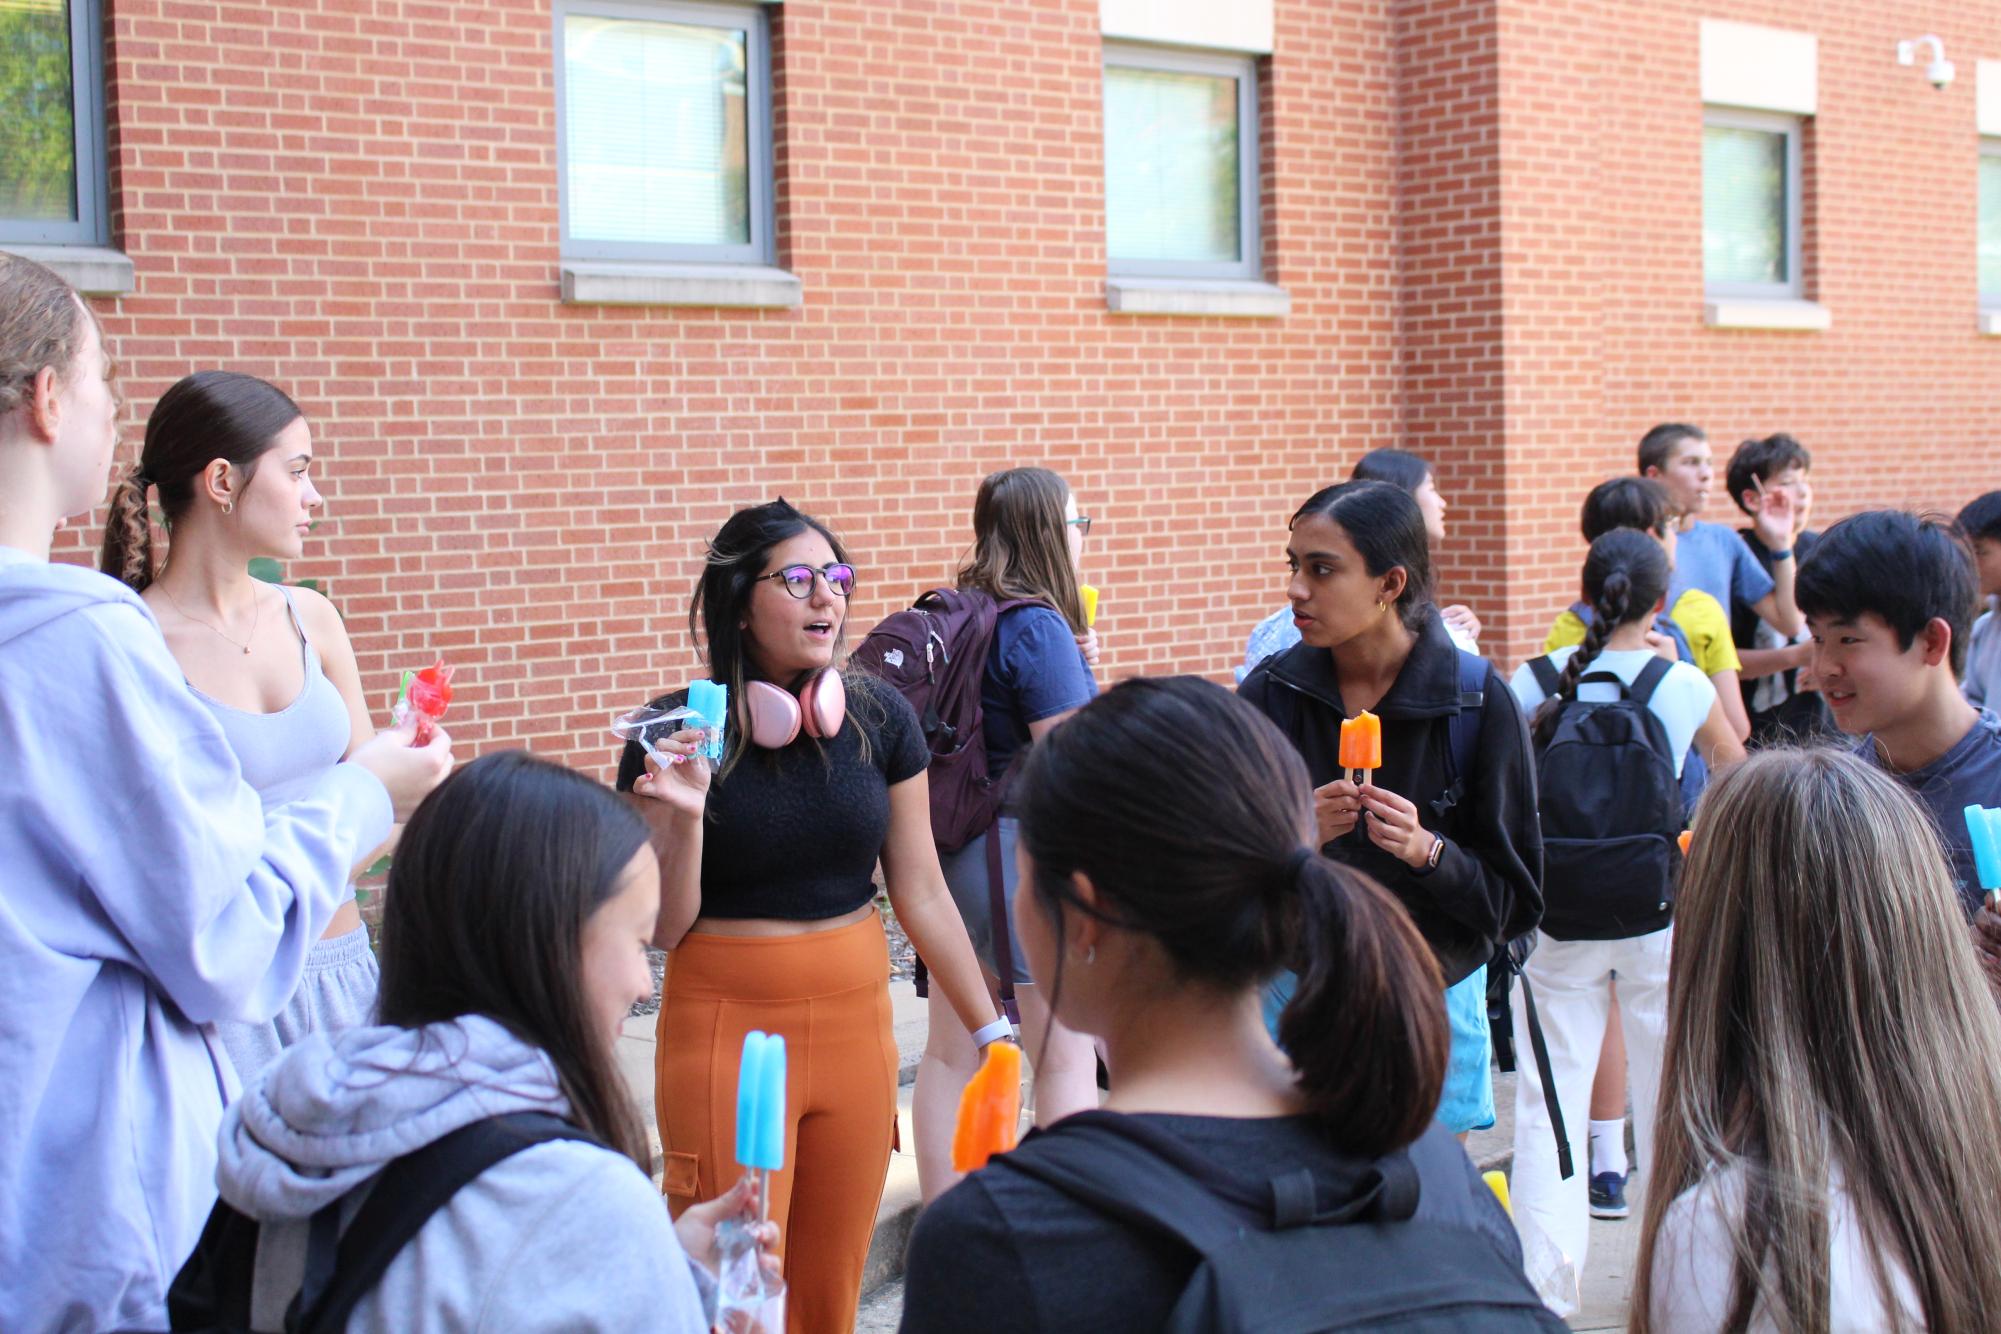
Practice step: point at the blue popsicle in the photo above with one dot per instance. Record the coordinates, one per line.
(760, 1102)
(1983, 827)
(710, 700)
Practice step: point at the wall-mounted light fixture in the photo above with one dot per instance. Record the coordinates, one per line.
(1939, 71)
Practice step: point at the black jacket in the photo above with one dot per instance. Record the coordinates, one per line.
(1488, 883)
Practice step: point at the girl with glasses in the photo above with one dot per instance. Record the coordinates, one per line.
(1028, 540)
(768, 901)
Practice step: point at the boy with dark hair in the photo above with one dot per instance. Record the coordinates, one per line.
(1980, 524)
(1778, 707)
(1709, 555)
(1889, 598)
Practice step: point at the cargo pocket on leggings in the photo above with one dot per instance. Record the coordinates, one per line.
(681, 1175)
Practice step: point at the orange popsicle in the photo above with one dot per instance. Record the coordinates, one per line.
(1362, 742)
(989, 1109)
(1687, 836)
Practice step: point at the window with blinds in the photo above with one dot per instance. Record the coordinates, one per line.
(1990, 223)
(1180, 164)
(1750, 204)
(664, 132)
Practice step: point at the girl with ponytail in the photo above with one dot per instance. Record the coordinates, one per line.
(1168, 871)
(1596, 850)
(230, 458)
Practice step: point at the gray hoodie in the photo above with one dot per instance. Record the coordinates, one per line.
(564, 1235)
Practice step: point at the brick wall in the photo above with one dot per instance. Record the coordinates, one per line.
(1487, 213)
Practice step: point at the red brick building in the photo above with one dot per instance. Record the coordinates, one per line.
(964, 234)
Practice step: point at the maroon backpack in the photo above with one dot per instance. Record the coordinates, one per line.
(935, 655)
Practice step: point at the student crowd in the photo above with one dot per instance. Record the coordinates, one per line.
(1292, 971)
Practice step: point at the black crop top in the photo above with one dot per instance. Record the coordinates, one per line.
(794, 834)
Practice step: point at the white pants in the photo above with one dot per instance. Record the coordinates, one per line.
(1573, 996)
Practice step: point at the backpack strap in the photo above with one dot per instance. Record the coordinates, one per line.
(1003, 942)
(1126, 1172)
(1462, 731)
(1649, 679)
(406, 1194)
(1463, 735)
(1545, 674)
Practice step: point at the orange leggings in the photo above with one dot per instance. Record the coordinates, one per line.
(827, 992)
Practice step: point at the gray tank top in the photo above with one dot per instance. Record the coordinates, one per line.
(284, 754)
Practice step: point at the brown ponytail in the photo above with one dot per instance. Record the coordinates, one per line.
(1366, 1026)
(1192, 815)
(127, 553)
(206, 416)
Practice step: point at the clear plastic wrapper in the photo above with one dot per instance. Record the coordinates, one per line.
(750, 1298)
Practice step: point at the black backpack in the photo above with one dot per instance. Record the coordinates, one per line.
(212, 1291)
(934, 654)
(1611, 810)
(1264, 1264)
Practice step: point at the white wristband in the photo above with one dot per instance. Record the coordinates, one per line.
(994, 1032)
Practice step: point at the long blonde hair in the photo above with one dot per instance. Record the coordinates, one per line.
(1826, 1009)
(1021, 547)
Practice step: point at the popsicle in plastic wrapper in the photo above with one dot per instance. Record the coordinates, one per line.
(748, 1296)
(424, 695)
(1090, 597)
(707, 712)
(989, 1109)
(1983, 829)
(1362, 746)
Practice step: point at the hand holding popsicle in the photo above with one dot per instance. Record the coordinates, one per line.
(424, 696)
(1361, 747)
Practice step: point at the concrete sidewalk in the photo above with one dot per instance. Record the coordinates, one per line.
(1606, 1282)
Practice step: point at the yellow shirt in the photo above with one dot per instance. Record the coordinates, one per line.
(1700, 618)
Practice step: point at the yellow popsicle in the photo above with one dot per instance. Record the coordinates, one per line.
(1090, 596)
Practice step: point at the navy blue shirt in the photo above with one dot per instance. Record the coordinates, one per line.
(1034, 671)
(1967, 775)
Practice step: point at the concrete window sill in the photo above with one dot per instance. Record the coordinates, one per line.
(1742, 312)
(1990, 322)
(643, 283)
(91, 270)
(1196, 296)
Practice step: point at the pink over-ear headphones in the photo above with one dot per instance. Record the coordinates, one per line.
(777, 718)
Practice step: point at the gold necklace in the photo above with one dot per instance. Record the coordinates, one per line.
(256, 615)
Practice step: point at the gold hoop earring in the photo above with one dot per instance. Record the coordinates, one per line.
(229, 507)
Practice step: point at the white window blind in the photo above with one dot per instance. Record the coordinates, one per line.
(1746, 198)
(656, 132)
(1172, 166)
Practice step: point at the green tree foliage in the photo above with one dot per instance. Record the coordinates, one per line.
(37, 118)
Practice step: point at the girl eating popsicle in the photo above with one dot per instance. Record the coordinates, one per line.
(1453, 836)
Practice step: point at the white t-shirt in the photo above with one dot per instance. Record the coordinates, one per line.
(1681, 701)
(1695, 1264)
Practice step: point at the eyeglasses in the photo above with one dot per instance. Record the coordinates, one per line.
(798, 579)
(1082, 523)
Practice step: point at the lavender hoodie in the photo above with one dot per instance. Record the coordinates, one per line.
(143, 893)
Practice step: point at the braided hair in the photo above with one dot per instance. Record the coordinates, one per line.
(1625, 575)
